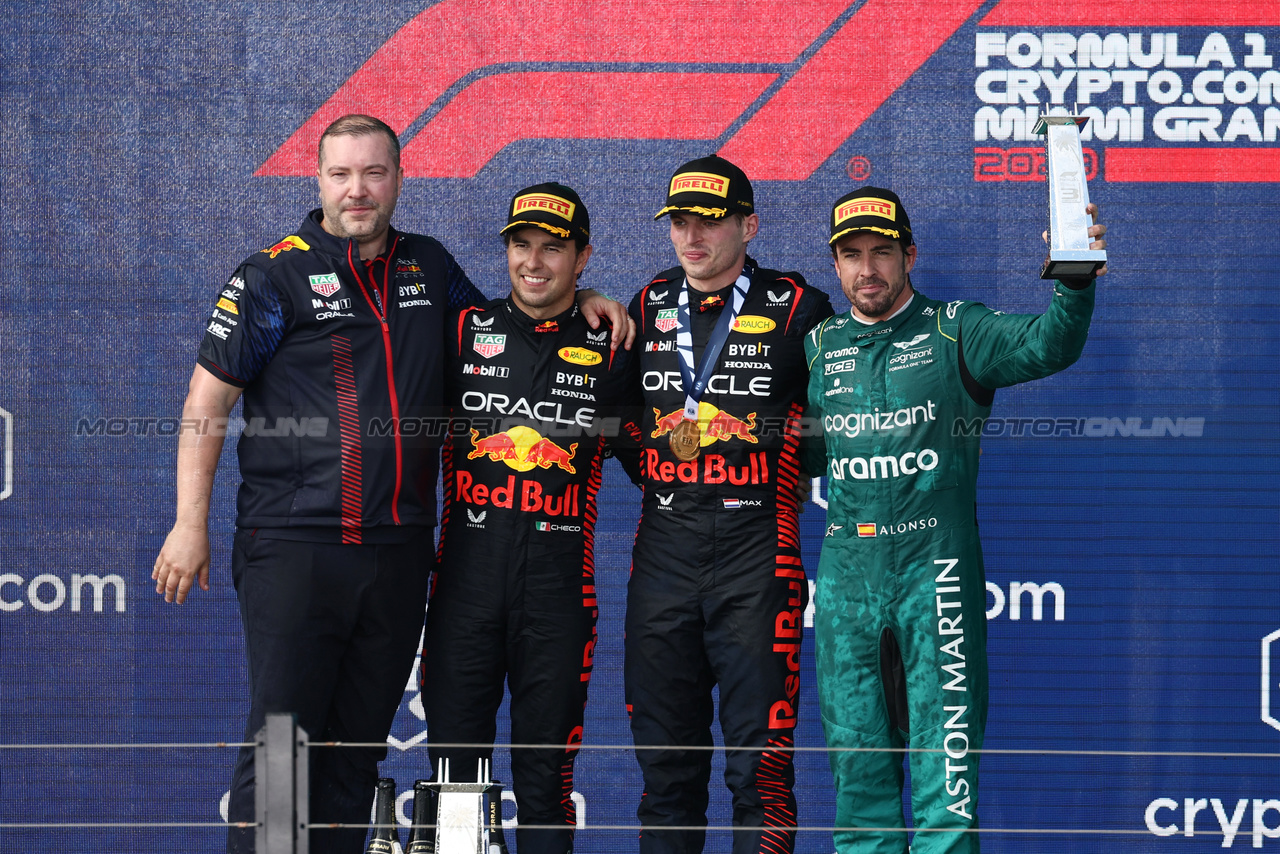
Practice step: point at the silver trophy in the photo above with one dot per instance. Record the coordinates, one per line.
(1069, 252)
(469, 815)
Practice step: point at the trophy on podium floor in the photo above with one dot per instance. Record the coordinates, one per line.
(469, 815)
(1069, 252)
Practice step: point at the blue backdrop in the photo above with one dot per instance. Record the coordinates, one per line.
(1128, 506)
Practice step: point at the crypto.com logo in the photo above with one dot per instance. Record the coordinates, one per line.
(6, 431)
(783, 82)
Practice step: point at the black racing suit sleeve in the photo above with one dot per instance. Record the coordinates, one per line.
(627, 446)
(249, 319)
(813, 449)
(626, 442)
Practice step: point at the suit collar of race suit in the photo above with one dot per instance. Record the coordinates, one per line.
(533, 324)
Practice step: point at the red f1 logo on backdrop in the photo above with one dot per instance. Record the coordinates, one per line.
(795, 77)
(784, 82)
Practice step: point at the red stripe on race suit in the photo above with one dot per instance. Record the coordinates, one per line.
(1192, 165)
(494, 112)
(462, 319)
(1133, 13)
(441, 45)
(776, 796)
(847, 80)
(344, 380)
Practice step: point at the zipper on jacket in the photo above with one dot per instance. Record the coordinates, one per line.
(379, 309)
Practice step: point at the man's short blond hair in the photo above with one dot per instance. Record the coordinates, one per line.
(355, 124)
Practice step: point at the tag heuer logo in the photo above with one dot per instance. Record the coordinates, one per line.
(489, 345)
(656, 296)
(325, 285)
(666, 320)
(478, 322)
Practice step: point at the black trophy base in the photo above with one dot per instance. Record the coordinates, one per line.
(1060, 269)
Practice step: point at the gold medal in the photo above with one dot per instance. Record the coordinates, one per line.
(686, 441)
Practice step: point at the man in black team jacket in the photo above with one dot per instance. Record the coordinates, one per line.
(334, 335)
(717, 592)
(534, 395)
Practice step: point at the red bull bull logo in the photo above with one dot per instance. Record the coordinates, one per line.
(716, 424)
(523, 449)
(499, 446)
(293, 241)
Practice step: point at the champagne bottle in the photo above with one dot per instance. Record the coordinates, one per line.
(422, 840)
(497, 839)
(385, 838)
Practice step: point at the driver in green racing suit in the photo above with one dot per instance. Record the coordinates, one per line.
(902, 384)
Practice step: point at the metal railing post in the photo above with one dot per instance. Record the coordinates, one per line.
(280, 789)
(301, 791)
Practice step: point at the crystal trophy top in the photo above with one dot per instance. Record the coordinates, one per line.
(1069, 252)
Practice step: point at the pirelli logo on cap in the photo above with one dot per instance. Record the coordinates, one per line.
(867, 207)
(544, 202)
(700, 182)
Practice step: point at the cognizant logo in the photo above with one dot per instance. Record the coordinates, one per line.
(856, 423)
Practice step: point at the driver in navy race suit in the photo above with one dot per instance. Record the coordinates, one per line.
(334, 336)
(717, 590)
(534, 397)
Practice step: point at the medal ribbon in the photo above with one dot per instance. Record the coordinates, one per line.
(695, 386)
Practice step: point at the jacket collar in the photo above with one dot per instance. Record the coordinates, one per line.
(313, 232)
